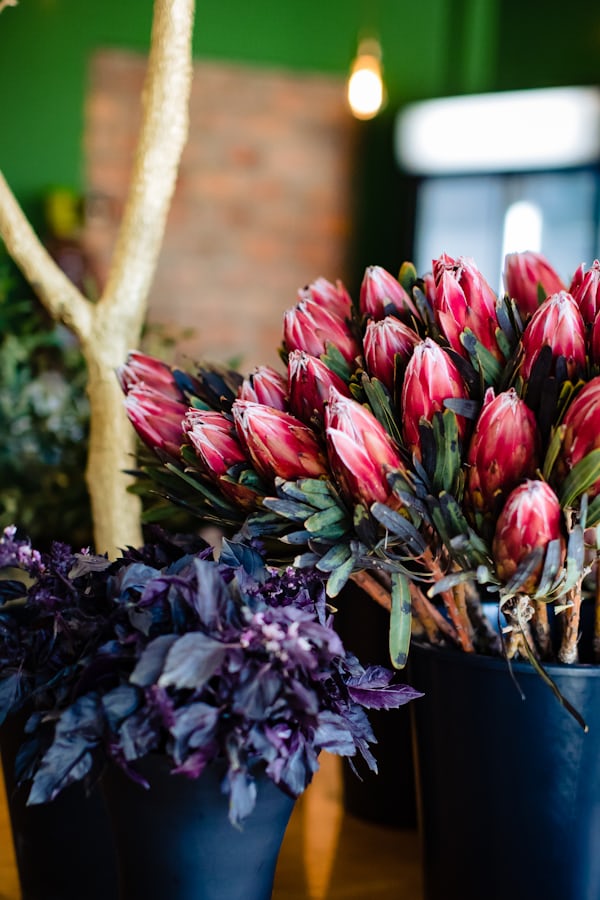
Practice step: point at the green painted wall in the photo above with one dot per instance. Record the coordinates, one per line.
(430, 47)
(45, 45)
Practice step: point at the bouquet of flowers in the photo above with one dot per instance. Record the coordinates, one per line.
(166, 651)
(433, 441)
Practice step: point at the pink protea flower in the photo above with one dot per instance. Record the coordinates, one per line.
(430, 378)
(530, 518)
(504, 450)
(463, 299)
(265, 385)
(558, 324)
(309, 326)
(333, 297)
(309, 381)
(360, 451)
(214, 440)
(388, 345)
(380, 291)
(581, 431)
(155, 375)
(157, 419)
(595, 341)
(585, 290)
(280, 445)
(524, 275)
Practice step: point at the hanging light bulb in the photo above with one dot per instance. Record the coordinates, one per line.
(366, 93)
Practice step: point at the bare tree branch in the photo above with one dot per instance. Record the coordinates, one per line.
(110, 327)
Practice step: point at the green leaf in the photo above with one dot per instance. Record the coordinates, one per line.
(334, 360)
(400, 620)
(448, 458)
(482, 359)
(580, 479)
(339, 577)
(407, 276)
(553, 451)
(593, 515)
(381, 406)
(297, 512)
(321, 521)
(401, 527)
(552, 566)
(334, 558)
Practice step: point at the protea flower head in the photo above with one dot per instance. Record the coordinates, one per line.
(333, 297)
(504, 450)
(219, 454)
(309, 326)
(381, 294)
(214, 439)
(360, 451)
(557, 324)
(157, 419)
(265, 385)
(526, 276)
(279, 444)
(464, 300)
(585, 290)
(309, 381)
(530, 519)
(581, 431)
(595, 341)
(142, 369)
(431, 377)
(388, 345)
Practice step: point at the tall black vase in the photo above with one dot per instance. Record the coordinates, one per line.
(64, 850)
(508, 789)
(175, 840)
(387, 798)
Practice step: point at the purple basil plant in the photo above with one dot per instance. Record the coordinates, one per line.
(168, 651)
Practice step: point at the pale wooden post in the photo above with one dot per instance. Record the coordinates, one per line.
(110, 327)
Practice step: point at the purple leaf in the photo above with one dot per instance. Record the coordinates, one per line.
(192, 660)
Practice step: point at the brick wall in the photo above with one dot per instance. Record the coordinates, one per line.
(261, 206)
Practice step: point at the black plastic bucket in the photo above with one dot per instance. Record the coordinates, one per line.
(508, 790)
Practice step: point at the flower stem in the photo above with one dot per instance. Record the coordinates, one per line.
(541, 629)
(568, 652)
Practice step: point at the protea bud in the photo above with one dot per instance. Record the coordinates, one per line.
(265, 385)
(333, 297)
(219, 454)
(388, 345)
(581, 431)
(360, 451)
(309, 381)
(595, 341)
(557, 324)
(430, 378)
(381, 294)
(280, 445)
(157, 419)
(214, 440)
(155, 375)
(585, 290)
(311, 327)
(530, 519)
(503, 450)
(463, 299)
(526, 275)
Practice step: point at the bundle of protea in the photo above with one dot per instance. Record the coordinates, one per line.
(436, 443)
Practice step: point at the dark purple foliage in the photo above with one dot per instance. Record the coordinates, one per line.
(166, 650)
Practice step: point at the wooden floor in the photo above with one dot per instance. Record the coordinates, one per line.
(326, 854)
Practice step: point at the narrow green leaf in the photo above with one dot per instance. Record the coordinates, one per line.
(552, 451)
(339, 577)
(400, 526)
(334, 558)
(321, 520)
(289, 509)
(580, 479)
(400, 620)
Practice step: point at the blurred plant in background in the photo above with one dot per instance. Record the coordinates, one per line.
(43, 419)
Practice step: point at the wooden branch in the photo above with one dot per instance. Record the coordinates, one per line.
(110, 327)
(59, 295)
(162, 138)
